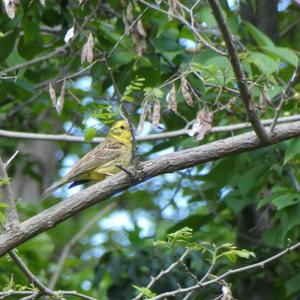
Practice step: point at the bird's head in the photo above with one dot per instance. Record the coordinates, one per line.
(120, 131)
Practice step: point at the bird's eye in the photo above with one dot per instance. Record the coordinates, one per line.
(122, 127)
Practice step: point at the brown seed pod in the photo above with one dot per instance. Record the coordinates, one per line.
(171, 99)
(87, 50)
(61, 99)
(186, 92)
(203, 123)
(156, 114)
(52, 94)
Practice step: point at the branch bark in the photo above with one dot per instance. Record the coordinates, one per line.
(165, 164)
(239, 73)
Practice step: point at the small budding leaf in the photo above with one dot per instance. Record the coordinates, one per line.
(89, 134)
(145, 291)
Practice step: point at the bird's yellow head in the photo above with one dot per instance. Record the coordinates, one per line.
(120, 131)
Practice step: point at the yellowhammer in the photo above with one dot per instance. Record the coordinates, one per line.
(101, 161)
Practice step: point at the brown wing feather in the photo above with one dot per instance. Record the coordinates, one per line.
(108, 150)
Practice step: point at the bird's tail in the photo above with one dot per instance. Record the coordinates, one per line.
(53, 187)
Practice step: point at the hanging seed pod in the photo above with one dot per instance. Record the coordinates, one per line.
(205, 118)
(172, 8)
(186, 92)
(61, 99)
(156, 114)
(140, 127)
(52, 95)
(87, 50)
(171, 99)
(148, 109)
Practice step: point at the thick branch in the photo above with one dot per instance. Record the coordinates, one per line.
(150, 137)
(165, 164)
(239, 73)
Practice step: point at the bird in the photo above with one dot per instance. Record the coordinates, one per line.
(102, 161)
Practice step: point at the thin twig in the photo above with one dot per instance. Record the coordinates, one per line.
(67, 248)
(199, 285)
(34, 294)
(7, 197)
(30, 276)
(58, 51)
(135, 156)
(11, 159)
(285, 95)
(181, 19)
(239, 73)
(164, 272)
(150, 137)
(126, 32)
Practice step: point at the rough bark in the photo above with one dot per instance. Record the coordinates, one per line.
(164, 164)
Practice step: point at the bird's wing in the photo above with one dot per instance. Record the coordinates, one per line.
(108, 150)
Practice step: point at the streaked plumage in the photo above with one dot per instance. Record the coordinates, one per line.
(102, 160)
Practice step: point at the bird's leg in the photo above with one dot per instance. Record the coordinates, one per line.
(132, 174)
(128, 172)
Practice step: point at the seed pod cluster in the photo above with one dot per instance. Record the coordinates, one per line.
(137, 32)
(58, 103)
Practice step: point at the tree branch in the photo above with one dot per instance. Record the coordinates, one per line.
(36, 60)
(30, 276)
(199, 285)
(164, 272)
(165, 164)
(75, 239)
(150, 137)
(239, 73)
(284, 95)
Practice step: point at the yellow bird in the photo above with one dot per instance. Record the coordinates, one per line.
(101, 161)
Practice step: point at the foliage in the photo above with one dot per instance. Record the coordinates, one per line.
(168, 80)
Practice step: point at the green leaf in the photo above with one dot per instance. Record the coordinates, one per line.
(3, 205)
(292, 286)
(260, 38)
(292, 150)
(286, 200)
(89, 134)
(264, 63)
(128, 98)
(145, 291)
(7, 43)
(285, 54)
(205, 15)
